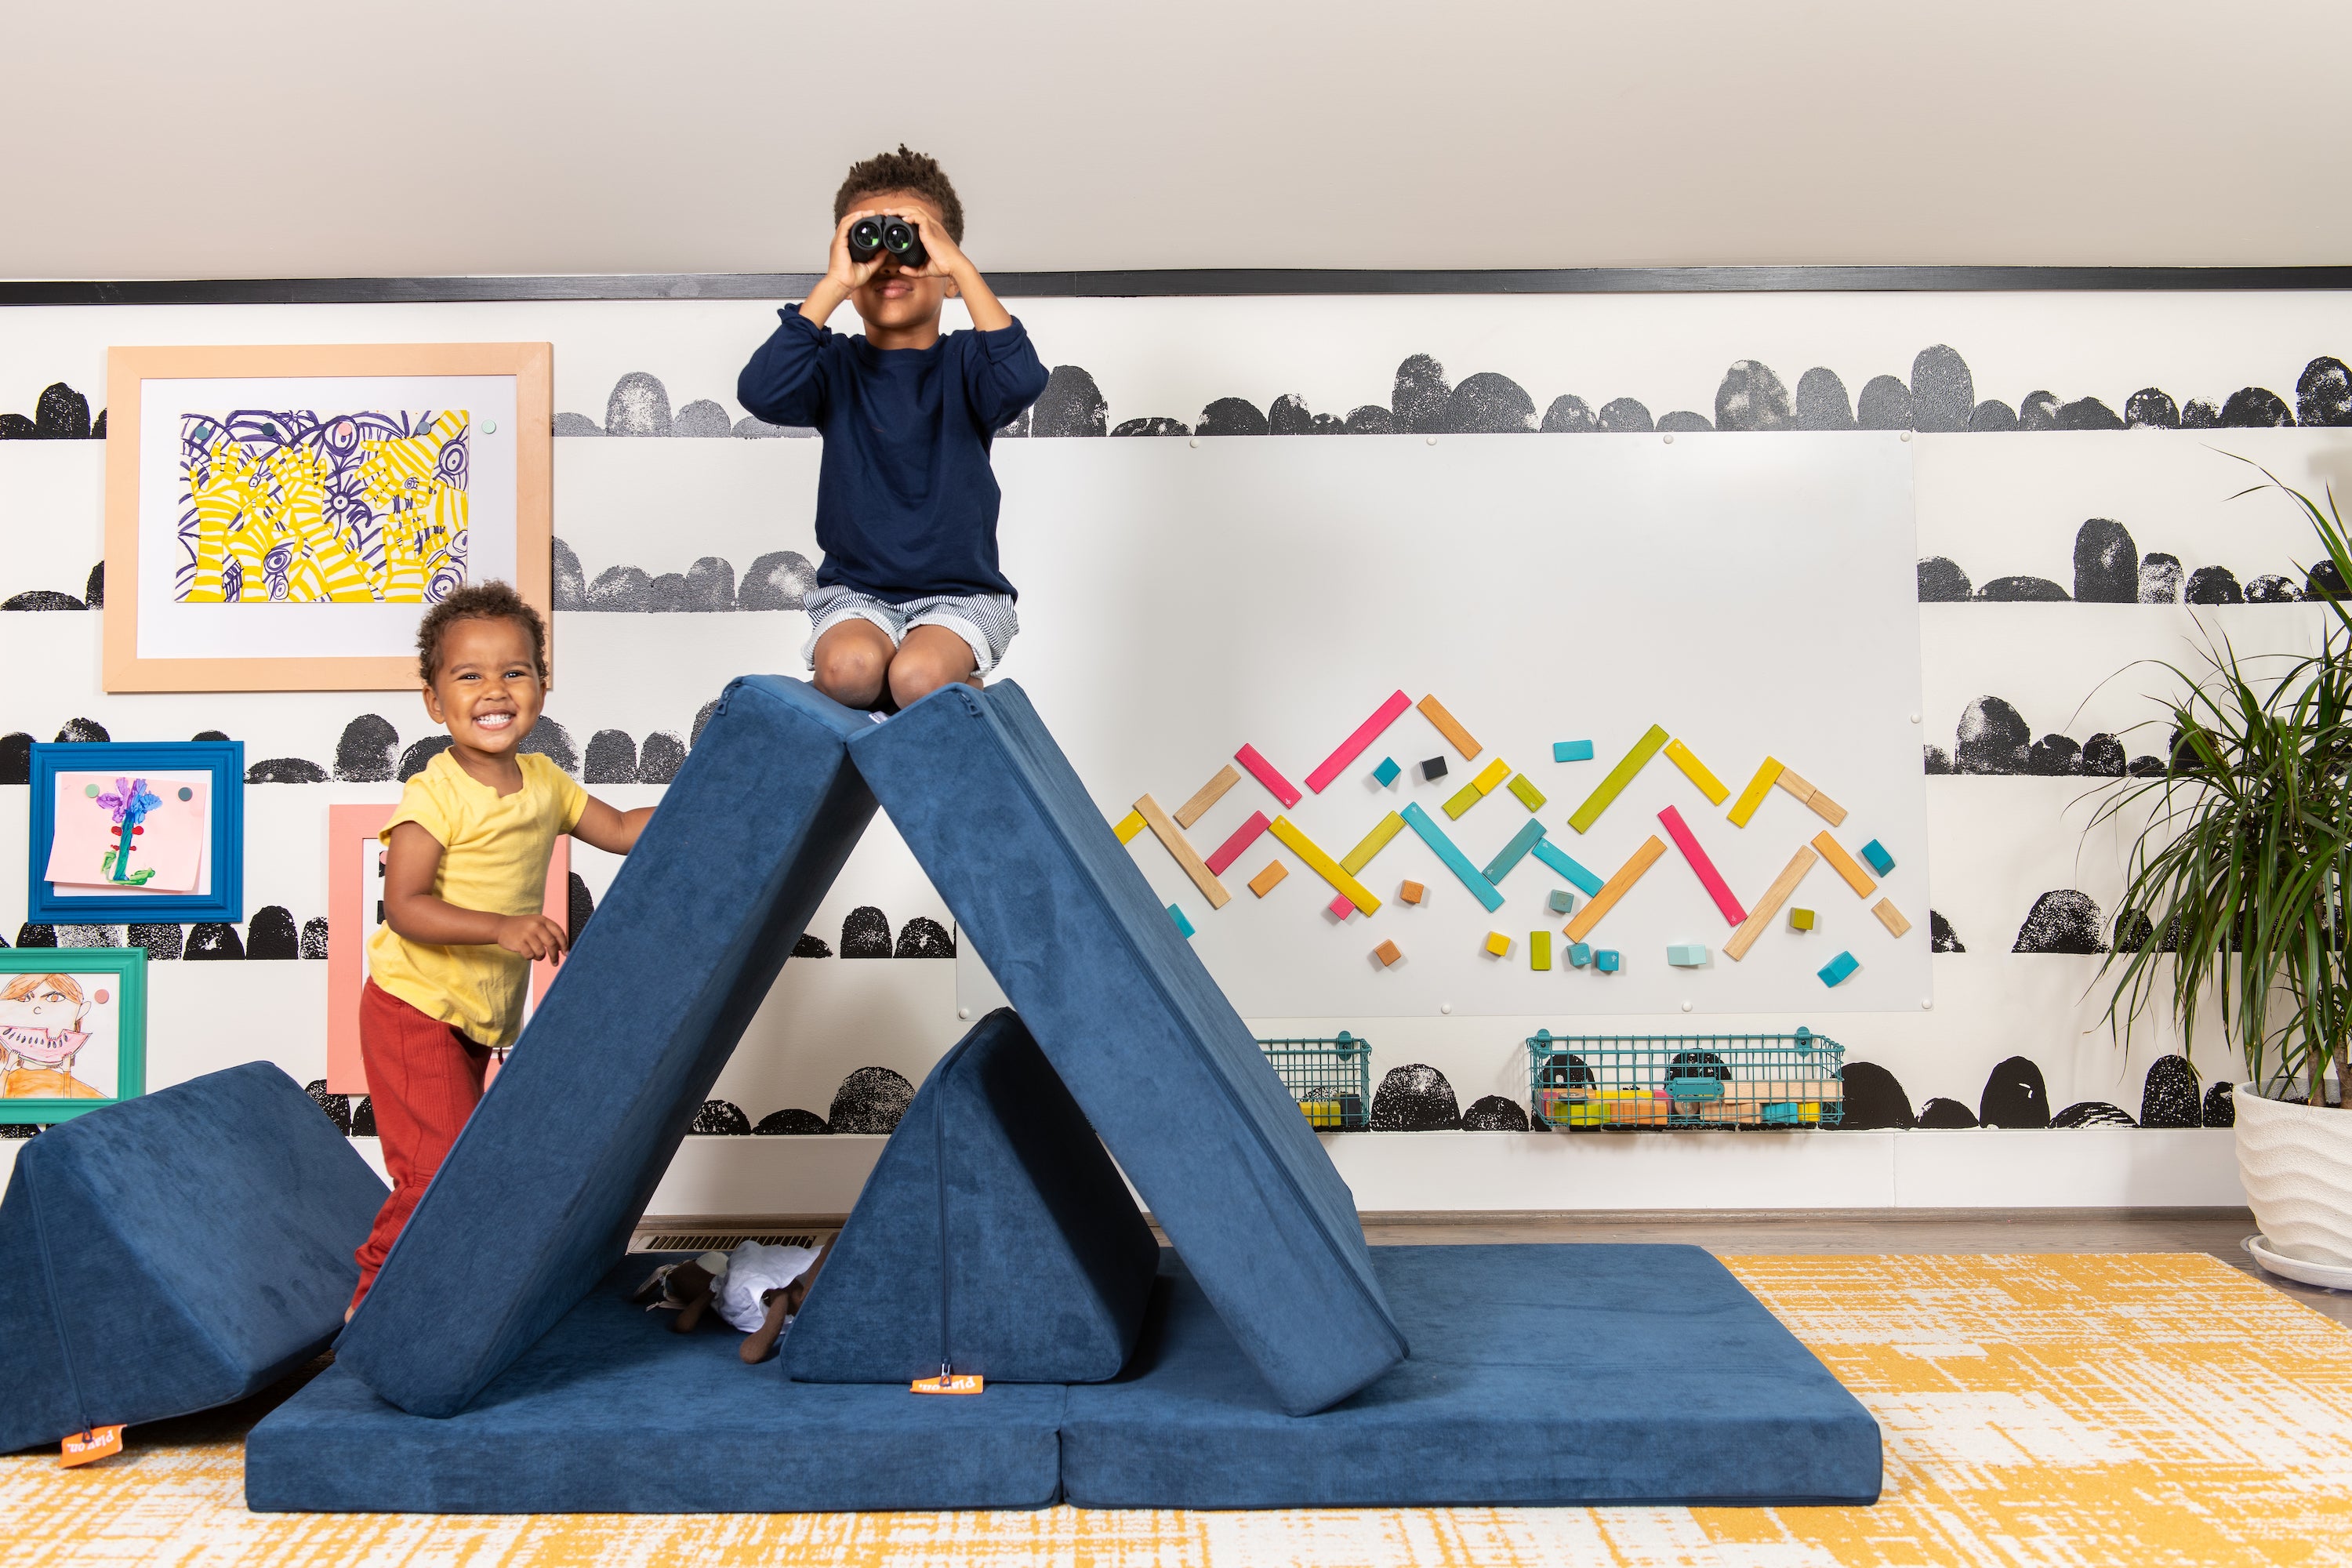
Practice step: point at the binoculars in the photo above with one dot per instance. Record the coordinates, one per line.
(872, 238)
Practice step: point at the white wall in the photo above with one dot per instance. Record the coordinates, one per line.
(151, 138)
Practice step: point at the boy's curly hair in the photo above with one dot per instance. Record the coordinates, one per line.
(490, 601)
(901, 171)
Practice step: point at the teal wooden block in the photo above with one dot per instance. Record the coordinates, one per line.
(1562, 861)
(1835, 971)
(1879, 860)
(1563, 902)
(1514, 852)
(1580, 954)
(1571, 750)
(1181, 923)
(1485, 891)
(1688, 955)
(1387, 771)
(1608, 960)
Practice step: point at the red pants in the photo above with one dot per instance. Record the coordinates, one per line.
(423, 1079)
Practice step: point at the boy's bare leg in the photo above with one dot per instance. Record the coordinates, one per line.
(930, 657)
(853, 658)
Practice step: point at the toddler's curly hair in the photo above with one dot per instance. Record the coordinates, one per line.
(490, 601)
(901, 171)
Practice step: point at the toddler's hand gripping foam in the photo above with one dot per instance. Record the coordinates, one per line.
(1153, 1053)
(995, 1236)
(535, 1201)
(174, 1252)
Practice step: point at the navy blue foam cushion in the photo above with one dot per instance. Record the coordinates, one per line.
(535, 1201)
(1540, 1375)
(1164, 1068)
(174, 1252)
(995, 1234)
(611, 1412)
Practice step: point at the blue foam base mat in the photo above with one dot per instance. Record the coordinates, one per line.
(1540, 1375)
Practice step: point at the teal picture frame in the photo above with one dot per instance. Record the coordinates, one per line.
(126, 969)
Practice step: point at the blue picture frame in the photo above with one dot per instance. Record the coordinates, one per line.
(224, 760)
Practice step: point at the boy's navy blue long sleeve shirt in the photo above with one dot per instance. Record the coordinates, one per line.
(906, 502)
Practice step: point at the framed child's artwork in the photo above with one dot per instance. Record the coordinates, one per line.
(130, 830)
(278, 517)
(73, 1030)
(354, 910)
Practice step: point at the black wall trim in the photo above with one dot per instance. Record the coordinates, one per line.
(1193, 281)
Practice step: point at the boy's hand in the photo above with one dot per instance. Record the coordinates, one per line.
(532, 936)
(839, 266)
(946, 259)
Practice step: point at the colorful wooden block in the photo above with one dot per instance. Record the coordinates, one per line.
(1498, 944)
(1529, 797)
(1843, 865)
(1631, 872)
(1267, 774)
(1128, 826)
(1571, 750)
(1353, 746)
(1879, 860)
(1413, 892)
(1709, 876)
(1697, 772)
(1371, 844)
(1432, 769)
(1207, 796)
(1834, 971)
(1563, 902)
(1459, 738)
(1181, 923)
(1323, 865)
(1462, 799)
(1455, 861)
(1186, 856)
(1753, 795)
(1687, 955)
(1387, 952)
(1890, 917)
(1580, 953)
(1566, 865)
(1538, 950)
(1491, 775)
(1342, 908)
(1633, 763)
(1802, 919)
(1387, 771)
(1608, 960)
(1774, 897)
(1514, 852)
(1263, 883)
(1823, 807)
(1242, 838)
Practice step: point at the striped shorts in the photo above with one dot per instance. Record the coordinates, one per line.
(985, 621)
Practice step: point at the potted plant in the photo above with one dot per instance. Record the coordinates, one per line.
(2240, 881)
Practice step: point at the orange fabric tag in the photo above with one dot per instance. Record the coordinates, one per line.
(95, 1444)
(953, 1383)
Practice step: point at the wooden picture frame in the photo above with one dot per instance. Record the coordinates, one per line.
(183, 612)
(22, 1064)
(222, 897)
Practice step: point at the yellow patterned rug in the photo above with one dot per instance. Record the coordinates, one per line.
(2146, 1410)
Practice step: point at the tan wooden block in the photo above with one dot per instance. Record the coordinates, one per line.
(1186, 857)
(1207, 796)
(1769, 904)
(1890, 917)
(1628, 874)
(1264, 882)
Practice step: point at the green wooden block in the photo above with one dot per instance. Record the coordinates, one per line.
(1529, 797)
(1621, 776)
(1538, 950)
(1563, 902)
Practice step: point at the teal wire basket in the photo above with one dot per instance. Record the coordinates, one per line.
(1726, 1082)
(1331, 1079)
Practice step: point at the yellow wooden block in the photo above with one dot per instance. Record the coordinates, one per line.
(1413, 892)
(1462, 799)
(1207, 796)
(1890, 917)
(1434, 712)
(1753, 795)
(1492, 774)
(1128, 826)
(1186, 856)
(1628, 874)
(1323, 865)
(1498, 944)
(1697, 772)
(1529, 797)
(1845, 865)
(1263, 883)
(1372, 843)
(1769, 904)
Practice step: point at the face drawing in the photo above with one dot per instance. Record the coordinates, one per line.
(41, 1017)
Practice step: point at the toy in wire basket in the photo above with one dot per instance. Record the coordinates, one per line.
(1331, 1079)
(1724, 1081)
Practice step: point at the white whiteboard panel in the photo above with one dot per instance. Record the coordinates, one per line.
(1751, 596)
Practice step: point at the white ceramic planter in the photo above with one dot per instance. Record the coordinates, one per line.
(2295, 1160)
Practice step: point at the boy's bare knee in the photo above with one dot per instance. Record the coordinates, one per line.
(926, 663)
(850, 666)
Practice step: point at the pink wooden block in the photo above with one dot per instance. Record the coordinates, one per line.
(1709, 876)
(1352, 747)
(1342, 906)
(1231, 849)
(1267, 774)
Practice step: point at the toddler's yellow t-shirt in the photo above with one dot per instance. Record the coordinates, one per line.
(494, 855)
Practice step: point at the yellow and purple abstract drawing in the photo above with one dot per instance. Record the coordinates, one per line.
(298, 508)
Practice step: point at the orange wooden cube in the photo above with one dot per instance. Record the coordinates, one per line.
(1386, 953)
(1411, 892)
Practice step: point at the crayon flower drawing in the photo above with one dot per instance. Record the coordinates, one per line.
(293, 506)
(129, 802)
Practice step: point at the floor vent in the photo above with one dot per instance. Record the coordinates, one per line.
(718, 1240)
